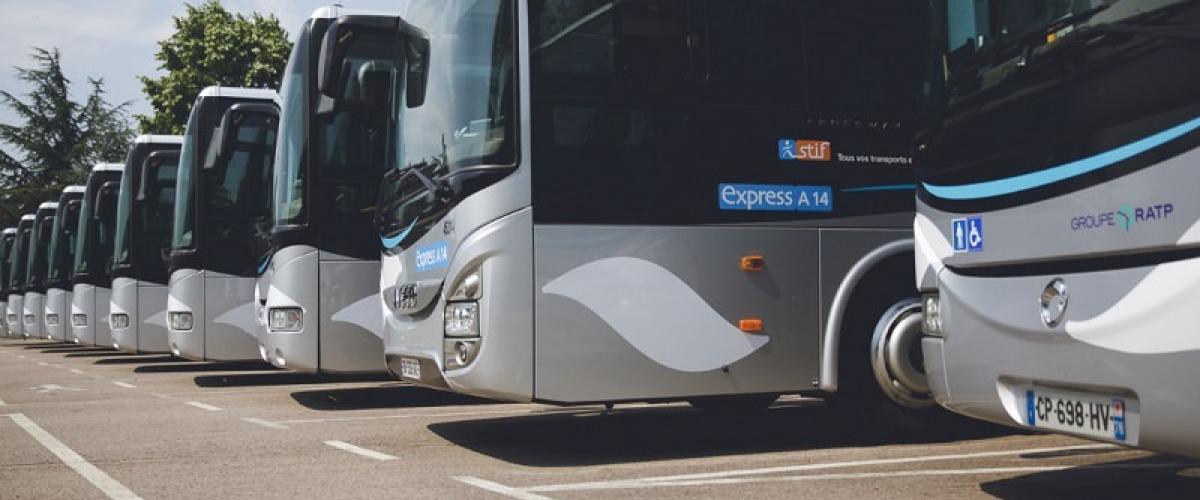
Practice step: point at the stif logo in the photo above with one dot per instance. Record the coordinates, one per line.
(805, 150)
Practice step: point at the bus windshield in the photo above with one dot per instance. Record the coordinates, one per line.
(183, 215)
(62, 241)
(16, 273)
(39, 241)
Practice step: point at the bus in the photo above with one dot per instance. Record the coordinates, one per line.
(1056, 228)
(709, 201)
(221, 224)
(92, 267)
(35, 280)
(337, 136)
(58, 266)
(145, 210)
(18, 263)
(6, 247)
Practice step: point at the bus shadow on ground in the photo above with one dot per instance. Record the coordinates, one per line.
(566, 438)
(126, 358)
(282, 378)
(396, 395)
(49, 346)
(187, 366)
(1159, 476)
(101, 352)
(81, 349)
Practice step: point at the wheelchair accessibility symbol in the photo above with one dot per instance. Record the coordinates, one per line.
(967, 234)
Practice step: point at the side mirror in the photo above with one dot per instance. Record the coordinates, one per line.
(154, 161)
(106, 200)
(342, 34)
(225, 136)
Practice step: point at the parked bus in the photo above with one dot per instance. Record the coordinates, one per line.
(35, 280)
(337, 137)
(92, 268)
(7, 237)
(221, 224)
(145, 209)
(18, 263)
(59, 259)
(661, 200)
(1057, 226)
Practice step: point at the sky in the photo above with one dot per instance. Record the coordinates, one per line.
(116, 39)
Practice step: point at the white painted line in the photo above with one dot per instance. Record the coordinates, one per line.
(342, 445)
(77, 371)
(267, 423)
(500, 488)
(125, 385)
(43, 363)
(97, 477)
(2, 403)
(717, 477)
(202, 406)
(20, 356)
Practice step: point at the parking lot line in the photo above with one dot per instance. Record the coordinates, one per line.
(342, 445)
(500, 488)
(2, 403)
(203, 406)
(266, 423)
(77, 371)
(91, 473)
(125, 385)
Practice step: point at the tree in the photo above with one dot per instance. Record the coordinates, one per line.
(60, 140)
(212, 46)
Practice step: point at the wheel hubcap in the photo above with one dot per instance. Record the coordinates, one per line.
(896, 358)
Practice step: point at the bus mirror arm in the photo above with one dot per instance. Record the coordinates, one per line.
(341, 33)
(225, 136)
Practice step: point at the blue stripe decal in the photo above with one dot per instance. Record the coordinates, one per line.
(886, 187)
(1023, 182)
(263, 267)
(393, 242)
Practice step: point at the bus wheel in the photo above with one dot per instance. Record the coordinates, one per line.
(740, 403)
(896, 359)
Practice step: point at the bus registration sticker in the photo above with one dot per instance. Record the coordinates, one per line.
(410, 368)
(1091, 415)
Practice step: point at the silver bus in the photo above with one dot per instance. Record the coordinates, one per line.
(337, 135)
(92, 268)
(35, 281)
(1057, 230)
(221, 218)
(6, 247)
(18, 265)
(60, 257)
(709, 201)
(145, 209)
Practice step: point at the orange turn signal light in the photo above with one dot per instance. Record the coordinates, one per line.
(752, 263)
(750, 325)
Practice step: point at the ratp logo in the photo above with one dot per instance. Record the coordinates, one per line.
(967, 234)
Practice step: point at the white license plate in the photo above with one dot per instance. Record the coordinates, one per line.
(410, 368)
(1094, 415)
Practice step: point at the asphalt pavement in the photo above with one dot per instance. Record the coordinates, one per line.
(81, 422)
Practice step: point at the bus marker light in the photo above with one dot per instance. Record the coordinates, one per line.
(750, 325)
(752, 263)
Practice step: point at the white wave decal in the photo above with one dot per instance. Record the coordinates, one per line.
(1156, 316)
(241, 317)
(657, 313)
(363, 313)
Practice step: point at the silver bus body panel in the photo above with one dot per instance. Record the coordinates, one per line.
(34, 310)
(14, 315)
(342, 330)
(92, 302)
(58, 303)
(146, 305)
(224, 325)
(1127, 331)
(4, 323)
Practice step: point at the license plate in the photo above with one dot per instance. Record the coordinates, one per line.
(1093, 415)
(410, 368)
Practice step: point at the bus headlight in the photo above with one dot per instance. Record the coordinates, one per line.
(931, 309)
(459, 352)
(79, 319)
(285, 319)
(13, 319)
(119, 321)
(180, 321)
(462, 319)
(52, 319)
(29, 319)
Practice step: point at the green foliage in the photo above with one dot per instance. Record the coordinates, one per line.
(212, 46)
(60, 139)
